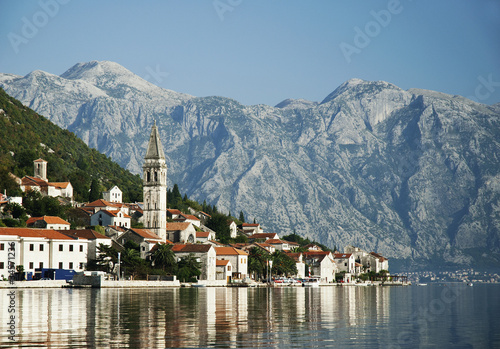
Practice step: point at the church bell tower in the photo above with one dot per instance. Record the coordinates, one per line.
(155, 186)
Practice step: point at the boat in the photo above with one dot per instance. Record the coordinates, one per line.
(470, 284)
(311, 283)
(198, 285)
(421, 284)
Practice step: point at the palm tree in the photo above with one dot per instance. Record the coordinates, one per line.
(257, 261)
(164, 257)
(189, 268)
(282, 264)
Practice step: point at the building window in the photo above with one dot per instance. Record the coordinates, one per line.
(41, 265)
(41, 247)
(60, 265)
(60, 247)
(70, 248)
(71, 265)
(2, 247)
(81, 266)
(1, 265)
(81, 248)
(31, 265)
(32, 247)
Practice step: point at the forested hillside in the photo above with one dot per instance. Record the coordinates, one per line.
(26, 136)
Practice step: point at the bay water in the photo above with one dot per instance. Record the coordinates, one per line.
(433, 316)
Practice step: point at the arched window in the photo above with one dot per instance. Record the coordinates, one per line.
(148, 177)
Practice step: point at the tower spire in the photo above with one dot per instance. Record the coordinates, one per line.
(155, 149)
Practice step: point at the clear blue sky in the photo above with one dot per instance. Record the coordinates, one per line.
(264, 51)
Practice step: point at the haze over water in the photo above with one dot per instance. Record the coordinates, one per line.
(434, 316)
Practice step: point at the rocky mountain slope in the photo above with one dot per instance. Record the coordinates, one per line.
(412, 174)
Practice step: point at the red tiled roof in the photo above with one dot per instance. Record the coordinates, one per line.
(102, 203)
(88, 234)
(263, 236)
(47, 219)
(33, 181)
(250, 224)
(226, 251)
(173, 211)
(61, 185)
(35, 233)
(190, 216)
(177, 226)
(294, 255)
(146, 234)
(220, 262)
(380, 257)
(275, 241)
(191, 248)
(202, 234)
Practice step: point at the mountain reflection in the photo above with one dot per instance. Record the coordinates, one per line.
(251, 317)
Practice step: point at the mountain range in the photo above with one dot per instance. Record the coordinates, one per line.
(413, 174)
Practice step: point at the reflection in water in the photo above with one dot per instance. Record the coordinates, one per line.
(252, 317)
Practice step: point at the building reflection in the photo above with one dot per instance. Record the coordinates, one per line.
(192, 317)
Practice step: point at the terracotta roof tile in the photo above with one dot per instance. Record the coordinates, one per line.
(226, 251)
(88, 234)
(146, 234)
(35, 233)
(177, 226)
(47, 219)
(220, 262)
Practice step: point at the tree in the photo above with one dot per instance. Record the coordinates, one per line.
(257, 262)
(218, 223)
(242, 217)
(95, 190)
(107, 258)
(16, 210)
(37, 205)
(164, 258)
(189, 269)
(283, 264)
(133, 263)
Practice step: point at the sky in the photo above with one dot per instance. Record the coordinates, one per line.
(262, 52)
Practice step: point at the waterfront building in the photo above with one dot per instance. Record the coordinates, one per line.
(238, 259)
(42, 248)
(321, 264)
(155, 186)
(94, 240)
(204, 253)
(223, 270)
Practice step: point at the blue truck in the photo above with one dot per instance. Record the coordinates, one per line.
(53, 274)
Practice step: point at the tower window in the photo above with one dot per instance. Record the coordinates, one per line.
(148, 177)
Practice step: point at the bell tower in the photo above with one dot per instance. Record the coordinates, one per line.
(155, 186)
(40, 166)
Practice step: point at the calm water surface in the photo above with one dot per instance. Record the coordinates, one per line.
(454, 316)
